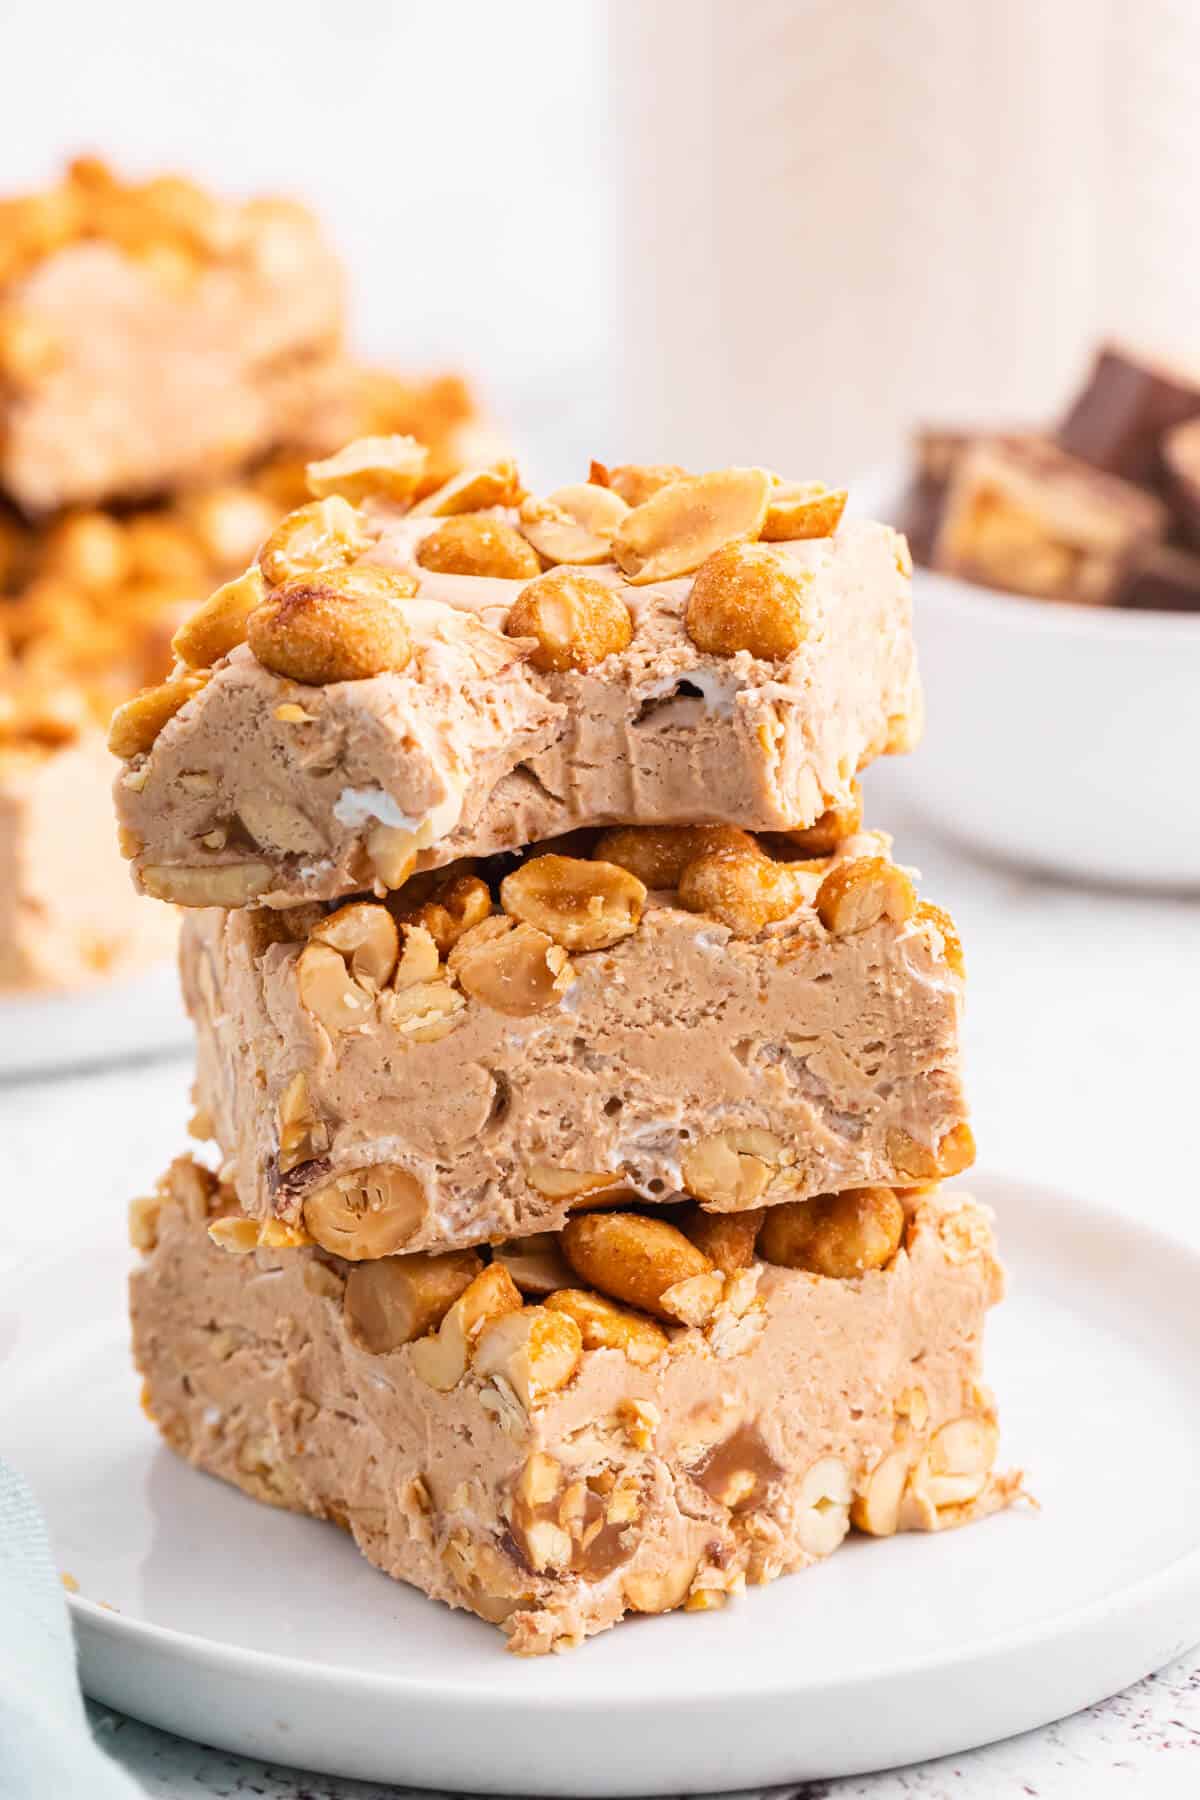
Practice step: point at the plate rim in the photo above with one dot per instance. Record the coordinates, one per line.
(382, 1684)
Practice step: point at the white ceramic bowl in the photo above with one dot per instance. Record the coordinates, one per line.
(1065, 738)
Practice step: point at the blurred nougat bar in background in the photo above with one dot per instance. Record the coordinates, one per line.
(169, 360)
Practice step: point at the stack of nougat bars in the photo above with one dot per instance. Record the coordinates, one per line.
(169, 362)
(582, 1079)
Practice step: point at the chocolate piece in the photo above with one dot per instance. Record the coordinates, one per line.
(1022, 515)
(1162, 578)
(1181, 462)
(937, 451)
(1129, 402)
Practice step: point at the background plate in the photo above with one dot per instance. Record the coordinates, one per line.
(137, 1015)
(267, 1634)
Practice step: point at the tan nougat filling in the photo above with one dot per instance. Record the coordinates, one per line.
(672, 1423)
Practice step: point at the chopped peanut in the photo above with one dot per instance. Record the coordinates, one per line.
(219, 626)
(383, 468)
(314, 539)
(581, 904)
(658, 854)
(682, 524)
(366, 1213)
(456, 905)
(632, 1258)
(478, 544)
(472, 491)
(394, 1299)
(747, 597)
(345, 625)
(856, 895)
(608, 1327)
(838, 1235)
(803, 509)
(745, 890)
(576, 621)
(515, 970)
(727, 1239)
(834, 825)
(137, 723)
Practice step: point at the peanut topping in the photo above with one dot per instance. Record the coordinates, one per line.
(345, 625)
(745, 890)
(478, 544)
(646, 1592)
(395, 1299)
(681, 525)
(442, 1359)
(423, 1012)
(473, 491)
(607, 1327)
(658, 854)
(733, 1169)
(418, 962)
(229, 885)
(392, 854)
(535, 1262)
(952, 948)
(366, 936)
(954, 1469)
(574, 524)
(858, 894)
(954, 1153)
(632, 1258)
(535, 1350)
(727, 1239)
(577, 621)
(876, 1507)
(314, 539)
(823, 1506)
(454, 908)
(803, 509)
(568, 1184)
(746, 597)
(826, 833)
(516, 970)
(635, 482)
(137, 723)
(386, 468)
(219, 626)
(838, 1235)
(238, 1236)
(329, 992)
(366, 1213)
(582, 905)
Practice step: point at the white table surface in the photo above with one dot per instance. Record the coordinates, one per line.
(1085, 1073)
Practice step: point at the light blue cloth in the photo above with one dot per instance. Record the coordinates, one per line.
(46, 1748)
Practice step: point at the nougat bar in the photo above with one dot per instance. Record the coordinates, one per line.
(483, 669)
(1021, 514)
(687, 1009)
(67, 914)
(664, 1429)
(154, 335)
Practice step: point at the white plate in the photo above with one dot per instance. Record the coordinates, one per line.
(267, 1634)
(135, 1015)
